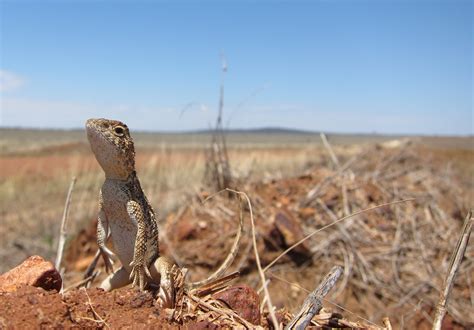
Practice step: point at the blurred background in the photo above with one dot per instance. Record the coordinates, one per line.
(388, 83)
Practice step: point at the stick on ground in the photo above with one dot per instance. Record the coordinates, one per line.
(330, 151)
(313, 303)
(63, 233)
(456, 259)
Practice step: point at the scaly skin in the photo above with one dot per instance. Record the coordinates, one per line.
(125, 211)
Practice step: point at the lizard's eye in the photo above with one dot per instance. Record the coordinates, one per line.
(119, 131)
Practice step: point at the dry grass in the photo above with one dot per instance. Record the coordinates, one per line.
(35, 176)
(34, 180)
(394, 257)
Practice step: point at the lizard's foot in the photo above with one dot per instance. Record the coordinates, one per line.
(107, 256)
(165, 297)
(166, 271)
(139, 274)
(116, 280)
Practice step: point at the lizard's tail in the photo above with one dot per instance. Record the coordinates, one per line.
(228, 260)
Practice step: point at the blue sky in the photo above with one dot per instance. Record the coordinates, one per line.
(341, 66)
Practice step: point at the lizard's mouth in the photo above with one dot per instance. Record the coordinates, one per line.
(95, 129)
(97, 139)
(91, 130)
(90, 122)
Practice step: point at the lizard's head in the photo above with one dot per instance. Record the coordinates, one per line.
(112, 146)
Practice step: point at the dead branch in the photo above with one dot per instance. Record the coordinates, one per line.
(63, 231)
(456, 259)
(84, 282)
(330, 151)
(218, 171)
(313, 303)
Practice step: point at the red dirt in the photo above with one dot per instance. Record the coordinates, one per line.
(31, 307)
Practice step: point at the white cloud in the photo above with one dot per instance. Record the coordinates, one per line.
(65, 114)
(44, 113)
(10, 81)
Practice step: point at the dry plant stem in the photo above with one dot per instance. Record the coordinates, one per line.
(345, 200)
(257, 259)
(82, 282)
(330, 151)
(90, 269)
(63, 232)
(313, 303)
(452, 270)
(96, 315)
(228, 312)
(218, 167)
(332, 224)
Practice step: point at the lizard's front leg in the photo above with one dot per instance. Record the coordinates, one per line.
(139, 267)
(102, 233)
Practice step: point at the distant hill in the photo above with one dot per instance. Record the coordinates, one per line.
(263, 130)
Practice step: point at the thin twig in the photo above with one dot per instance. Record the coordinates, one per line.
(63, 230)
(456, 259)
(330, 151)
(83, 282)
(96, 315)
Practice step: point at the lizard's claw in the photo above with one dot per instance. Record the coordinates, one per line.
(167, 293)
(138, 274)
(166, 297)
(107, 256)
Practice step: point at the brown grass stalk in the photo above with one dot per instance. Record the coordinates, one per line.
(456, 259)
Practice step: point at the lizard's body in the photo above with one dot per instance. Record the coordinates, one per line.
(116, 194)
(125, 211)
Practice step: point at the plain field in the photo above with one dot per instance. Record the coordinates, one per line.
(38, 165)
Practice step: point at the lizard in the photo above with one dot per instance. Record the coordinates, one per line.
(126, 215)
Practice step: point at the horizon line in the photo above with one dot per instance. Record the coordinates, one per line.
(260, 130)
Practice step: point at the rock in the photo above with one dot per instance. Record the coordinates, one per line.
(34, 271)
(185, 230)
(307, 212)
(290, 229)
(243, 300)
